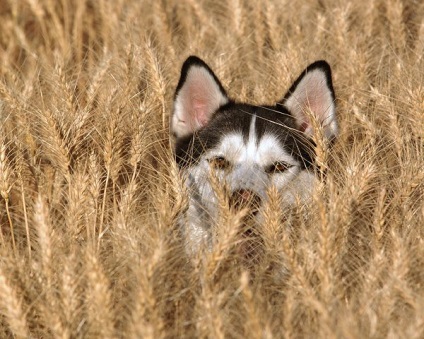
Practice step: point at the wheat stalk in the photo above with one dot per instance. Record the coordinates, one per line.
(92, 200)
(11, 307)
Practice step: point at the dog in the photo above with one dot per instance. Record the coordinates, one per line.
(247, 148)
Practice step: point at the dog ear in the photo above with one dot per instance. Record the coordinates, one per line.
(312, 97)
(198, 96)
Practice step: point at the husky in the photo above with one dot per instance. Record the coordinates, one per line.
(248, 148)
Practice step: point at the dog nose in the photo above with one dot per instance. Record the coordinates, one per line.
(244, 198)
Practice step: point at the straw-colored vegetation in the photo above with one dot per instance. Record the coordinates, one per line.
(90, 194)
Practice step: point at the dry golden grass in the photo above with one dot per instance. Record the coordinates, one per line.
(90, 194)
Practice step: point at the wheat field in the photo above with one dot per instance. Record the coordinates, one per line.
(90, 194)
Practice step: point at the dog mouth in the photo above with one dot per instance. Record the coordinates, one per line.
(249, 248)
(251, 245)
(245, 199)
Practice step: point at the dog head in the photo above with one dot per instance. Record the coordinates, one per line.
(249, 148)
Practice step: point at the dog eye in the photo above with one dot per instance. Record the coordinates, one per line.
(219, 163)
(278, 167)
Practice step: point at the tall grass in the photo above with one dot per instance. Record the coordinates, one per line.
(90, 194)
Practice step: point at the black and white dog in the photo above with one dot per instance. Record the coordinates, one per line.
(248, 148)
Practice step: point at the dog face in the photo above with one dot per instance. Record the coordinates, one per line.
(247, 148)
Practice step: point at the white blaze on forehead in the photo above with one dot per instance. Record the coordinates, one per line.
(252, 141)
(263, 152)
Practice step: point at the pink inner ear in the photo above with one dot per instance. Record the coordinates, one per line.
(316, 99)
(203, 101)
(197, 101)
(312, 95)
(200, 107)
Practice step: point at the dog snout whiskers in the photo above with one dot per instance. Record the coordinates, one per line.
(244, 198)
